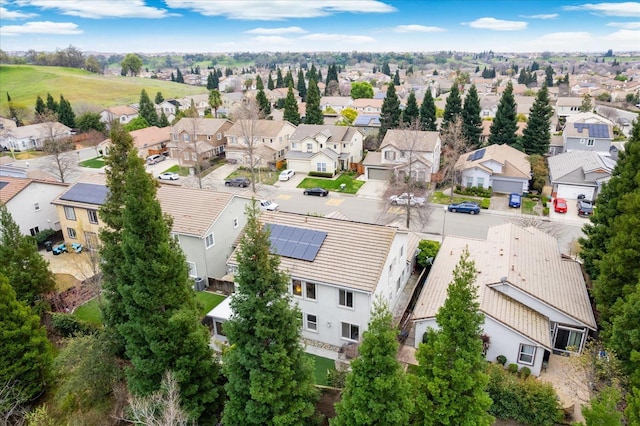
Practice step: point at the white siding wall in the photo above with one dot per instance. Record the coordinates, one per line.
(23, 210)
(395, 268)
(474, 174)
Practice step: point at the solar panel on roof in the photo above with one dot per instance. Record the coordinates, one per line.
(296, 243)
(86, 193)
(3, 184)
(480, 153)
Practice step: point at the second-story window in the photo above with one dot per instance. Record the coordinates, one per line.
(209, 241)
(93, 216)
(345, 299)
(69, 213)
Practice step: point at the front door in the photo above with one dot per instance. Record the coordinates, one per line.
(568, 338)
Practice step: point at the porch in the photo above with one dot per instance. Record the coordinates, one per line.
(570, 383)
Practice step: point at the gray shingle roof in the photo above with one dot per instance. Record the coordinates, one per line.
(335, 133)
(587, 161)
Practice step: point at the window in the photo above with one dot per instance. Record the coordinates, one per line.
(93, 216)
(311, 291)
(219, 136)
(480, 182)
(194, 156)
(469, 182)
(296, 288)
(350, 331)
(312, 322)
(71, 233)
(208, 137)
(186, 138)
(70, 213)
(235, 222)
(591, 142)
(389, 155)
(321, 146)
(309, 147)
(322, 167)
(36, 206)
(219, 329)
(527, 354)
(193, 271)
(346, 299)
(209, 240)
(294, 145)
(34, 231)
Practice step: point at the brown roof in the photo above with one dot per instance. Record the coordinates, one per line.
(352, 255)
(122, 110)
(204, 126)
(515, 163)
(334, 133)
(263, 128)
(365, 102)
(12, 186)
(419, 140)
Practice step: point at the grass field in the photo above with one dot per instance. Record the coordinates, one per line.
(93, 163)
(208, 301)
(321, 367)
(528, 205)
(90, 312)
(352, 185)
(264, 176)
(81, 88)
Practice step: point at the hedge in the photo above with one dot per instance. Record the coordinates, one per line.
(321, 174)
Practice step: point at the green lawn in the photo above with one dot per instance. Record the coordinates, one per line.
(321, 367)
(438, 197)
(182, 171)
(264, 176)
(89, 312)
(528, 205)
(208, 301)
(352, 185)
(93, 163)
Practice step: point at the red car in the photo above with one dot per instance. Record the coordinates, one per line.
(560, 205)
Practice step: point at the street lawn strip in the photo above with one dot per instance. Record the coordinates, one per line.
(93, 163)
(438, 197)
(528, 206)
(182, 171)
(207, 301)
(351, 184)
(89, 312)
(322, 365)
(263, 176)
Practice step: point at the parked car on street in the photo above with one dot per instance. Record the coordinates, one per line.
(464, 207)
(286, 175)
(318, 192)
(559, 205)
(168, 176)
(242, 182)
(585, 208)
(515, 200)
(154, 159)
(404, 199)
(268, 205)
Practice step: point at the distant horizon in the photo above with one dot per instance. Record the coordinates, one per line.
(155, 27)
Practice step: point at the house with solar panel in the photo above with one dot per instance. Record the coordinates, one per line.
(587, 132)
(337, 268)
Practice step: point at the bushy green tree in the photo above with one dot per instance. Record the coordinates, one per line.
(313, 113)
(427, 250)
(66, 115)
(390, 111)
(603, 408)
(263, 103)
(270, 378)
(376, 391)
(411, 113)
(163, 121)
(537, 136)
(131, 64)
(159, 98)
(136, 124)
(586, 105)
(504, 126)
(451, 380)
(361, 89)
(428, 113)
(291, 113)
(471, 120)
(147, 110)
(40, 106)
(90, 121)
(453, 107)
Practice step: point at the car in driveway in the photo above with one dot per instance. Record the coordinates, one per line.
(168, 176)
(241, 182)
(404, 199)
(515, 200)
(585, 208)
(268, 205)
(464, 207)
(155, 159)
(286, 174)
(318, 192)
(559, 205)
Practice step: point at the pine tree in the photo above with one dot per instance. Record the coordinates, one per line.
(313, 114)
(313, 73)
(396, 78)
(385, 69)
(269, 377)
(210, 81)
(66, 115)
(504, 126)
(263, 104)
(302, 88)
(270, 84)
(471, 120)
(26, 353)
(163, 121)
(288, 78)
(27, 271)
(376, 391)
(451, 377)
(548, 75)
(390, 111)
(279, 79)
(147, 110)
(179, 77)
(411, 113)
(52, 105)
(428, 113)
(453, 107)
(40, 106)
(216, 82)
(259, 83)
(537, 136)
(332, 75)
(159, 98)
(291, 113)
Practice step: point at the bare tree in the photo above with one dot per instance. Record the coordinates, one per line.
(608, 113)
(247, 115)
(454, 144)
(192, 125)
(12, 404)
(57, 146)
(553, 229)
(162, 408)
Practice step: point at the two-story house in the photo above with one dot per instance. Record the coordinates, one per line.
(334, 277)
(587, 132)
(566, 106)
(33, 136)
(405, 152)
(148, 141)
(324, 148)
(579, 173)
(368, 106)
(197, 139)
(336, 103)
(501, 167)
(122, 113)
(29, 202)
(266, 141)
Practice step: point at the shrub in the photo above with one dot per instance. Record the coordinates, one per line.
(485, 203)
(428, 249)
(44, 235)
(524, 372)
(512, 368)
(502, 360)
(474, 191)
(321, 174)
(545, 211)
(337, 377)
(68, 325)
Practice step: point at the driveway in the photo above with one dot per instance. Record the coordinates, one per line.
(373, 188)
(500, 202)
(571, 216)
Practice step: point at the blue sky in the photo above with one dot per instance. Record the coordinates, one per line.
(155, 26)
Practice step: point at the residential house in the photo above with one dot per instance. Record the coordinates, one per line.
(404, 152)
(368, 124)
(588, 132)
(29, 202)
(148, 141)
(197, 139)
(200, 102)
(566, 106)
(122, 113)
(501, 167)
(337, 279)
(579, 172)
(230, 101)
(324, 148)
(368, 106)
(268, 139)
(169, 107)
(534, 300)
(336, 103)
(33, 136)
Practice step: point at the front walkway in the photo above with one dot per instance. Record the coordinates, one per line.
(569, 382)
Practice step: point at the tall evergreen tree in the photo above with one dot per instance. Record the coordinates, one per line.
(396, 78)
(428, 113)
(52, 105)
(270, 378)
(216, 82)
(279, 79)
(179, 77)
(452, 108)
(504, 126)
(210, 81)
(320, 75)
(66, 115)
(26, 352)
(411, 113)
(259, 83)
(313, 73)
(471, 120)
(159, 98)
(163, 121)
(537, 135)
(376, 391)
(302, 88)
(270, 84)
(263, 103)
(385, 69)
(548, 72)
(147, 110)
(27, 271)
(313, 112)
(40, 106)
(291, 113)
(288, 78)
(390, 111)
(451, 378)
(332, 75)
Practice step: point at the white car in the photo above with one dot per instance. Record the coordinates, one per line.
(404, 199)
(168, 176)
(268, 205)
(286, 174)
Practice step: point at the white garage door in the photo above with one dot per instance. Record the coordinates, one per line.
(572, 191)
(300, 166)
(378, 174)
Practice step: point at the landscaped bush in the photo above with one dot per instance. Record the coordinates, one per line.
(502, 360)
(485, 203)
(474, 191)
(512, 368)
(68, 325)
(428, 249)
(527, 401)
(44, 235)
(336, 377)
(545, 211)
(321, 174)
(524, 372)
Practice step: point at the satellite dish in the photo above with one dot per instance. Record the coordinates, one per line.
(503, 280)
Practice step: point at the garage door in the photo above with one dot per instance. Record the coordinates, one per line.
(378, 174)
(572, 191)
(506, 186)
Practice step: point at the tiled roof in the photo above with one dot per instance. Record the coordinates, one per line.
(122, 110)
(262, 128)
(12, 186)
(364, 102)
(335, 133)
(418, 140)
(352, 255)
(587, 161)
(515, 163)
(204, 126)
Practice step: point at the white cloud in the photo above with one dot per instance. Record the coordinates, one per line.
(278, 10)
(44, 27)
(14, 14)
(625, 25)
(542, 16)
(282, 30)
(496, 24)
(338, 38)
(416, 29)
(563, 41)
(629, 37)
(609, 9)
(96, 9)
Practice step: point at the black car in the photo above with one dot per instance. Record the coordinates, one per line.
(585, 208)
(242, 182)
(319, 192)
